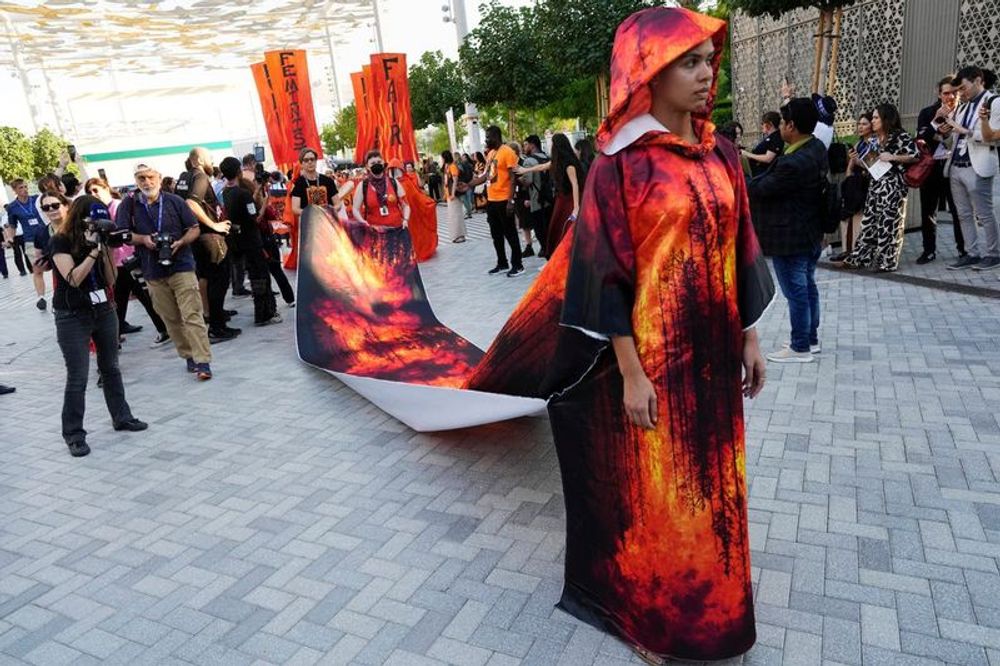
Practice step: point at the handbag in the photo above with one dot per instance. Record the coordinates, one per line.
(917, 173)
(215, 247)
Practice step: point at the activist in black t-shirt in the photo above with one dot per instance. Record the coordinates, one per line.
(302, 184)
(242, 210)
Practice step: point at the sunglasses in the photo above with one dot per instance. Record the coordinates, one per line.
(48, 208)
(308, 159)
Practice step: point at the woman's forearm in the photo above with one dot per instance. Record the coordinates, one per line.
(627, 355)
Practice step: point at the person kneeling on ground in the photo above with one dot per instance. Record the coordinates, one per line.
(84, 312)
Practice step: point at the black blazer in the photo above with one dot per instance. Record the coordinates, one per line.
(786, 201)
(924, 129)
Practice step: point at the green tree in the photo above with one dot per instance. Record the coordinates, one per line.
(436, 85)
(342, 133)
(16, 159)
(46, 148)
(502, 60)
(775, 8)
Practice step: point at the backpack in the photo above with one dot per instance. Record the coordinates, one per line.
(546, 191)
(465, 176)
(830, 206)
(837, 158)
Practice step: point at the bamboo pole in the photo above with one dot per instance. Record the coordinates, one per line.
(818, 54)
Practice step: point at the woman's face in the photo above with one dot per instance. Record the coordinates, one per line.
(53, 209)
(686, 83)
(101, 192)
(409, 168)
(309, 162)
(876, 121)
(864, 127)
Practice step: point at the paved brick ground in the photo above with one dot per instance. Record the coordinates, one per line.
(273, 516)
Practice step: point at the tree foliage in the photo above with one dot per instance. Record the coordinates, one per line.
(342, 133)
(578, 35)
(502, 59)
(16, 158)
(46, 147)
(436, 85)
(775, 8)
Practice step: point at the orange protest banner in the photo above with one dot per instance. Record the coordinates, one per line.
(269, 107)
(294, 96)
(390, 100)
(363, 142)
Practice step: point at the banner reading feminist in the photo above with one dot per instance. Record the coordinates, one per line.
(365, 140)
(294, 95)
(390, 103)
(266, 91)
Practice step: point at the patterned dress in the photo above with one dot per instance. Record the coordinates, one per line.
(657, 544)
(881, 239)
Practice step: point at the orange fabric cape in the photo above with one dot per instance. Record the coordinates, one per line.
(423, 218)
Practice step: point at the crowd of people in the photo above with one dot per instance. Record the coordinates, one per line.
(177, 251)
(952, 158)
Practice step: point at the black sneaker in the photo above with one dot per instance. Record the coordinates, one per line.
(499, 269)
(161, 338)
(128, 328)
(926, 258)
(222, 334)
(528, 251)
(40, 304)
(987, 264)
(4, 390)
(514, 272)
(963, 263)
(78, 449)
(132, 425)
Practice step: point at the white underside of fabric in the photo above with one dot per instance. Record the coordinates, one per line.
(631, 132)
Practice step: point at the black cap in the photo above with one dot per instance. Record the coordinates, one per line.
(230, 167)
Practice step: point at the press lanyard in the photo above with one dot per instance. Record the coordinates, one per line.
(24, 210)
(159, 218)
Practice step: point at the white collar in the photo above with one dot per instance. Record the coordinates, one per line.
(631, 132)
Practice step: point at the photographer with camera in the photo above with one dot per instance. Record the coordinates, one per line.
(83, 312)
(163, 230)
(130, 280)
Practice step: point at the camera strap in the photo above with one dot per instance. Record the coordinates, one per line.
(159, 217)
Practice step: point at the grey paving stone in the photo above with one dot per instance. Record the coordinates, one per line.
(299, 524)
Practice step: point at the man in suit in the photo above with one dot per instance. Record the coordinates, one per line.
(787, 204)
(937, 185)
(972, 166)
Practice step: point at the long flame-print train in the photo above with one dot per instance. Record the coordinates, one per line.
(657, 549)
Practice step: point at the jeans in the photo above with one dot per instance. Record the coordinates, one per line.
(277, 272)
(467, 201)
(21, 257)
(217, 278)
(932, 191)
(973, 197)
(264, 306)
(74, 330)
(502, 228)
(126, 285)
(797, 278)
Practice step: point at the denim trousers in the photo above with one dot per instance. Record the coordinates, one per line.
(796, 275)
(74, 331)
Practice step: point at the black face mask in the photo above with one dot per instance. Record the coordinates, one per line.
(377, 169)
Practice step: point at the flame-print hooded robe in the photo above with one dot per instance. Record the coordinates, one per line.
(664, 251)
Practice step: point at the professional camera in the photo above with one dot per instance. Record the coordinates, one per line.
(164, 253)
(107, 232)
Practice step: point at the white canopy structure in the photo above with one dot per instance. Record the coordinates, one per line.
(121, 44)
